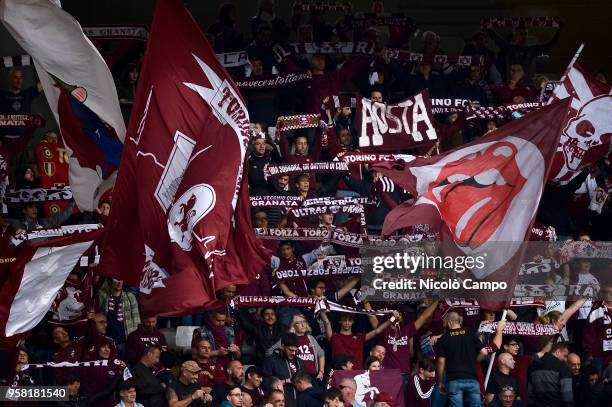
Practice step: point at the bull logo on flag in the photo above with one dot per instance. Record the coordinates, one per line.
(193, 205)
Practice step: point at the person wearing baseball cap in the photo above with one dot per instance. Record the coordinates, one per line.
(186, 387)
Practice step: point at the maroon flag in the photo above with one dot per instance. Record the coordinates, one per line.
(180, 205)
(587, 132)
(484, 195)
(372, 383)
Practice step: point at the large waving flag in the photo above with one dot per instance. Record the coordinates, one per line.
(35, 278)
(79, 88)
(483, 196)
(180, 206)
(587, 132)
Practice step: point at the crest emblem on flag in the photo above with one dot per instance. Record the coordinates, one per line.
(187, 211)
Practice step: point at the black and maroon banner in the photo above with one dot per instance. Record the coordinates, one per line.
(298, 121)
(473, 111)
(520, 22)
(520, 329)
(20, 120)
(233, 59)
(389, 20)
(301, 48)
(276, 201)
(278, 170)
(305, 211)
(272, 81)
(38, 195)
(117, 42)
(384, 127)
(372, 158)
(332, 6)
(117, 31)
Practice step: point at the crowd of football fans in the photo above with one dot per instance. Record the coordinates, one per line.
(277, 356)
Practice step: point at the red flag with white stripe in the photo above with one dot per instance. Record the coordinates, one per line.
(587, 132)
(35, 279)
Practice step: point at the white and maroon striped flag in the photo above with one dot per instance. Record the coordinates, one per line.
(36, 276)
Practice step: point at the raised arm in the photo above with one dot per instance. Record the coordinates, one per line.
(373, 319)
(283, 143)
(567, 314)
(380, 328)
(350, 284)
(326, 324)
(426, 315)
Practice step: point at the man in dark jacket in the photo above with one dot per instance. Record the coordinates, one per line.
(148, 387)
(265, 334)
(284, 364)
(258, 185)
(308, 395)
(550, 379)
(31, 221)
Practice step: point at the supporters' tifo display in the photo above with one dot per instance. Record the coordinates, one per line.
(325, 206)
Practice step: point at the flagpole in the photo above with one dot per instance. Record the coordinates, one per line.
(503, 318)
(572, 62)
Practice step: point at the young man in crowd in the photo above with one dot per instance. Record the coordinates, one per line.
(121, 309)
(308, 395)
(345, 341)
(284, 363)
(147, 334)
(265, 333)
(234, 373)
(127, 392)
(222, 337)
(253, 378)
(420, 386)
(149, 389)
(333, 398)
(459, 349)
(396, 339)
(212, 372)
(550, 379)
